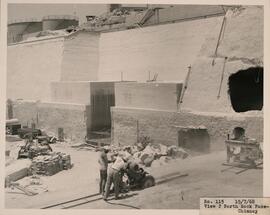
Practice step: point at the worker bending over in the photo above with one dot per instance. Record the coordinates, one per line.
(114, 175)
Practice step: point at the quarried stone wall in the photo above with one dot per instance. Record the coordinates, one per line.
(51, 116)
(163, 126)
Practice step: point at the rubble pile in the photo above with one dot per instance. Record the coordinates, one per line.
(116, 16)
(37, 149)
(160, 153)
(151, 154)
(50, 164)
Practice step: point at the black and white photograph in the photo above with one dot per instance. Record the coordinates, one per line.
(133, 106)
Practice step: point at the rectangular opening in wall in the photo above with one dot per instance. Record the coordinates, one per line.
(195, 140)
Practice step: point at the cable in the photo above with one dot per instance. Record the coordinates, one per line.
(222, 76)
(221, 33)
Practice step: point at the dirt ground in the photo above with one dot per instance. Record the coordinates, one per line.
(204, 179)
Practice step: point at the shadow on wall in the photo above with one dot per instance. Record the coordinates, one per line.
(9, 114)
(246, 89)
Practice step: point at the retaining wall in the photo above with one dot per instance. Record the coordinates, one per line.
(71, 92)
(100, 95)
(31, 67)
(161, 126)
(51, 116)
(80, 57)
(156, 95)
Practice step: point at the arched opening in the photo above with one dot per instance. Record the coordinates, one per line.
(238, 133)
(246, 89)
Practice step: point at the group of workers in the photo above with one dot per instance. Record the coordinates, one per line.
(112, 174)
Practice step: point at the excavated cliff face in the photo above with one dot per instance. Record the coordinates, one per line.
(240, 47)
(207, 99)
(243, 36)
(166, 50)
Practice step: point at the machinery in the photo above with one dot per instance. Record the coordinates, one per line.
(12, 126)
(138, 178)
(32, 149)
(243, 152)
(24, 132)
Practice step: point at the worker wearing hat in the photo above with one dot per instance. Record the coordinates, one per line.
(103, 166)
(114, 175)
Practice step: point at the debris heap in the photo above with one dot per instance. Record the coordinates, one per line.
(147, 153)
(37, 149)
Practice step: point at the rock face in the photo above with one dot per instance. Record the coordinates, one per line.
(207, 97)
(241, 42)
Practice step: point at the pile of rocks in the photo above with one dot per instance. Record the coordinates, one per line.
(158, 152)
(37, 149)
(147, 153)
(50, 164)
(117, 16)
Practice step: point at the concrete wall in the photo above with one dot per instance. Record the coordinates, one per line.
(98, 95)
(102, 87)
(160, 96)
(31, 67)
(51, 116)
(165, 49)
(79, 91)
(161, 126)
(39, 63)
(80, 57)
(242, 43)
(71, 92)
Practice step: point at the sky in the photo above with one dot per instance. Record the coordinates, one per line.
(21, 11)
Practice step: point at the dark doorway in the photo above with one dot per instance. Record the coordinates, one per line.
(101, 114)
(246, 89)
(194, 139)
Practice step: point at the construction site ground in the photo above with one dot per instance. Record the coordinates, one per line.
(204, 179)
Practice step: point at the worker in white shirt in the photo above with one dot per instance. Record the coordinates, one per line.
(114, 175)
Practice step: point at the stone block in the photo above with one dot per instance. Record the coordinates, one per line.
(17, 170)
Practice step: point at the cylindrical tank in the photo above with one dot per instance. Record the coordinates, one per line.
(59, 22)
(18, 28)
